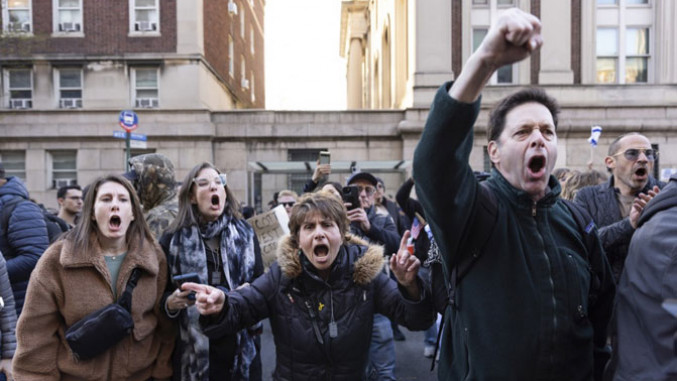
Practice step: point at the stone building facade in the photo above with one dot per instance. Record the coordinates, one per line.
(610, 63)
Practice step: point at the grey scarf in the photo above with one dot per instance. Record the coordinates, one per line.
(187, 254)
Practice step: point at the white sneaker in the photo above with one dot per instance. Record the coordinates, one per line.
(429, 351)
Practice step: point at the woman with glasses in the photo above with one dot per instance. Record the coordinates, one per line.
(210, 240)
(321, 295)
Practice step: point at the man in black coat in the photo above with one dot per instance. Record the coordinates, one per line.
(616, 205)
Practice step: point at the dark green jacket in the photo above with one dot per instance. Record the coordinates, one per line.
(522, 310)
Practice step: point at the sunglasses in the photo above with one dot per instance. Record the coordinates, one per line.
(219, 180)
(632, 154)
(288, 203)
(369, 189)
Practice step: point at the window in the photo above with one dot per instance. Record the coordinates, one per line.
(63, 168)
(622, 51)
(17, 16)
(231, 63)
(253, 88)
(145, 87)
(19, 87)
(504, 75)
(244, 83)
(629, 65)
(251, 40)
(628, 2)
(144, 16)
(505, 3)
(242, 24)
(14, 163)
(138, 151)
(68, 16)
(70, 87)
(607, 55)
(296, 181)
(636, 55)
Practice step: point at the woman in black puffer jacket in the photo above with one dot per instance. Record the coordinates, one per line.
(321, 296)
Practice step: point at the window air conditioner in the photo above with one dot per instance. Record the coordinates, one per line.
(147, 102)
(145, 26)
(58, 183)
(244, 83)
(20, 103)
(69, 27)
(232, 8)
(70, 103)
(19, 27)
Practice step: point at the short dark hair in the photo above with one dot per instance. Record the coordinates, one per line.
(328, 205)
(532, 94)
(61, 193)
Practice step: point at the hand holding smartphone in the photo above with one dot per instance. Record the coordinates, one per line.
(352, 195)
(183, 278)
(325, 157)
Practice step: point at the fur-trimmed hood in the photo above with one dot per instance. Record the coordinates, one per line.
(366, 268)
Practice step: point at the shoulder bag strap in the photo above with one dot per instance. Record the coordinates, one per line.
(126, 298)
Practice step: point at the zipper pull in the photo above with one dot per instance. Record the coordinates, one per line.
(364, 295)
(291, 299)
(533, 209)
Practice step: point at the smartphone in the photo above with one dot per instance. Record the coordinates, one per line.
(325, 157)
(183, 278)
(352, 195)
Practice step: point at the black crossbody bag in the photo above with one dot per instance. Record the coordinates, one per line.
(95, 333)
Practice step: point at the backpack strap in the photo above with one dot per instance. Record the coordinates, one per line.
(481, 229)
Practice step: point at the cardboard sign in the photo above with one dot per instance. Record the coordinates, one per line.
(269, 228)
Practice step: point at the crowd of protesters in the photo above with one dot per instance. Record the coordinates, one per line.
(138, 278)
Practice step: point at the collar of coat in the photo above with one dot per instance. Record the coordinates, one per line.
(364, 271)
(143, 257)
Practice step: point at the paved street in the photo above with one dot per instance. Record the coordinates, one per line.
(409, 352)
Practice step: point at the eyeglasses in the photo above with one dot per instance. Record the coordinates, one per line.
(632, 154)
(288, 203)
(369, 189)
(219, 180)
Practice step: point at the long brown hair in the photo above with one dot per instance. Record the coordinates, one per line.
(138, 229)
(189, 214)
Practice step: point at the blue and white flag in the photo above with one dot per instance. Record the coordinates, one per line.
(595, 132)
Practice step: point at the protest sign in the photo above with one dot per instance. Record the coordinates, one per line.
(270, 227)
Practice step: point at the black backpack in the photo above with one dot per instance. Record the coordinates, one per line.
(55, 225)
